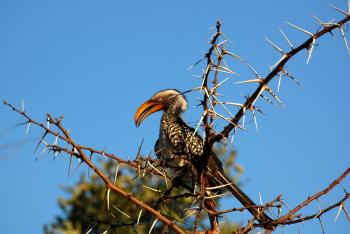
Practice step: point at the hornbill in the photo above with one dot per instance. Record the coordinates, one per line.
(178, 142)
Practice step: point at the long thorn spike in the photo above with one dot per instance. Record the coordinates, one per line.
(338, 9)
(275, 46)
(41, 140)
(249, 81)
(310, 50)
(286, 38)
(318, 20)
(254, 118)
(279, 82)
(27, 130)
(345, 41)
(254, 71)
(275, 97)
(278, 62)
(152, 226)
(299, 28)
(340, 208)
(138, 218)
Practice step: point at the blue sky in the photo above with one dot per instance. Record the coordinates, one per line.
(96, 61)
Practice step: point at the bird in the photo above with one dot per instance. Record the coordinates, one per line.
(182, 145)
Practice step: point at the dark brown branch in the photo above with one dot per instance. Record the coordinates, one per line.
(78, 152)
(116, 189)
(213, 42)
(133, 164)
(279, 67)
(318, 214)
(291, 213)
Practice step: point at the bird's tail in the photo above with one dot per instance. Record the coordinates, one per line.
(215, 168)
(244, 199)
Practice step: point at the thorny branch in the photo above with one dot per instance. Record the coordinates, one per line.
(263, 83)
(292, 218)
(215, 66)
(215, 57)
(78, 152)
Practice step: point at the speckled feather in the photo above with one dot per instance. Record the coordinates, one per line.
(178, 140)
(178, 136)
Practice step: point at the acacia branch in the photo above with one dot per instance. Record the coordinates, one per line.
(292, 218)
(291, 214)
(132, 164)
(78, 152)
(327, 28)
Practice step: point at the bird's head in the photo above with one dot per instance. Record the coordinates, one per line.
(164, 100)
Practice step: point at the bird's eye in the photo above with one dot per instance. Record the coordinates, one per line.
(159, 99)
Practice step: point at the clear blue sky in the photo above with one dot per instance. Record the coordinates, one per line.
(96, 61)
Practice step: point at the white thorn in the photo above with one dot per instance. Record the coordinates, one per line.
(108, 193)
(223, 106)
(260, 198)
(150, 164)
(340, 208)
(225, 70)
(216, 195)
(274, 46)
(310, 50)
(250, 81)
(210, 102)
(254, 71)
(223, 42)
(275, 96)
(233, 55)
(319, 21)
(138, 218)
(56, 140)
(345, 41)
(279, 82)
(268, 100)
(301, 29)
(22, 105)
(116, 174)
(153, 189)
(122, 212)
(286, 38)
(219, 84)
(340, 10)
(233, 103)
(154, 223)
(219, 186)
(243, 120)
(27, 130)
(199, 123)
(196, 63)
(42, 152)
(48, 123)
(292, 78)
(190, 213)
(278, 62)
(226, 37)
(255, 121)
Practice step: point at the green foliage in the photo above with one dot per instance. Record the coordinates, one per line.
(88, 207)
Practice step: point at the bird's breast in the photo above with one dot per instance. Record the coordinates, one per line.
(165, 147)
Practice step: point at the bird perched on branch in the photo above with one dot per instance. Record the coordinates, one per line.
(180, 143)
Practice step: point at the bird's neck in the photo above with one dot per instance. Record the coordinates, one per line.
(170, 118)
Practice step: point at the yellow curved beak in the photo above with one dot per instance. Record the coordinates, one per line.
(145, 110)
